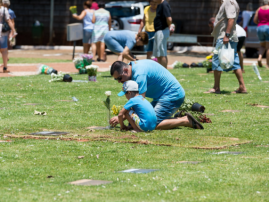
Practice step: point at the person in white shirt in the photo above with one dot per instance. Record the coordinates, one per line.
(241, 34)
(246, 15)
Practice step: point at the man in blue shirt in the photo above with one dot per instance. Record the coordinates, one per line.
(122, 42)
(158, 83)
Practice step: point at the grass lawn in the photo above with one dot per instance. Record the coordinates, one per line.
(26, 163)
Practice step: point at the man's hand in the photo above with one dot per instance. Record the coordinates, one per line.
(226, 40)
(114, 121)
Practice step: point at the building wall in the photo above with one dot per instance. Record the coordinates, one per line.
(191, 16)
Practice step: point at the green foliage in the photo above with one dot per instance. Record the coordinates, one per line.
(178, 65)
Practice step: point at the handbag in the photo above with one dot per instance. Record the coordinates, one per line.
(5, 27)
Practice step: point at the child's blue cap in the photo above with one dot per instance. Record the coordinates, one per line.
(128, 86)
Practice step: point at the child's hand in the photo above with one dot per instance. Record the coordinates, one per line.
(124, 127)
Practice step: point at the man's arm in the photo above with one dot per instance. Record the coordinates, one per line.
(109, 22)
(125, 54)
(228, 30)
(169, 21)
(142, 24)
(121, 118)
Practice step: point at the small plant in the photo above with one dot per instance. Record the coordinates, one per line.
(177, 65)
(208, 62)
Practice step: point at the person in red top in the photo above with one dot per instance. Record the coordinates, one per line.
(262, 19)
(94, 5)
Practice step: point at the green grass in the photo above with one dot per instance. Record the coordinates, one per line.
(25, 164)
(34, 60)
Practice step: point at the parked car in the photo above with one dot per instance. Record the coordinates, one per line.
(252, 42)
(126, 15)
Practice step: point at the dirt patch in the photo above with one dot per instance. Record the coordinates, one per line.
(221, 147)
(257, 105)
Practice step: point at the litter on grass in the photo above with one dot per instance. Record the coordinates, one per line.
(138, 171)
(227, 152)
(87, 182)
(80, 81)
(40, 113)
(49, 133)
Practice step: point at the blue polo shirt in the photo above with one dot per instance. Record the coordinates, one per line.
(156, 81)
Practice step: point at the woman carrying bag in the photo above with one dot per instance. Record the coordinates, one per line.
(6, 26)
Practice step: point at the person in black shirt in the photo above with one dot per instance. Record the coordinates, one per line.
(162, 22)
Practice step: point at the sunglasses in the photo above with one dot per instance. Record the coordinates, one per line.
(119, 78)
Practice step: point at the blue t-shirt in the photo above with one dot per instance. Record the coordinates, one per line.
(156, 81)
(145, 111)
(11, 14)
(118, 40)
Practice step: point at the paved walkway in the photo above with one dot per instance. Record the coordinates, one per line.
(31, 69)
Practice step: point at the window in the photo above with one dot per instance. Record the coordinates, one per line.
(123, 11)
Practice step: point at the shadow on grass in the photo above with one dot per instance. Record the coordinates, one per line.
(106, 76)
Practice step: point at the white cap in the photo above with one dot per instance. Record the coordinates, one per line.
(128, 86)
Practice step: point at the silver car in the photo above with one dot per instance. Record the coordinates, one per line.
(252, 42)
(126, 15)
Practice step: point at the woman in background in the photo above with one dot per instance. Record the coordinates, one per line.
(88, 18)
(148, 23)
(4, 16)
(101, 27)
(262, 19)
(247, 14)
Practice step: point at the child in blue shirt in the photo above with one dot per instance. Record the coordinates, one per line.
(138, 111)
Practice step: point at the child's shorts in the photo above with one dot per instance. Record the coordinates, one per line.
(136, 118)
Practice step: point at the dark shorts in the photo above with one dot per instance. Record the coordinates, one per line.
(241, 41)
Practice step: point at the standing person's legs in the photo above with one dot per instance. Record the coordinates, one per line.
(267, 55)
(87, 40)
(4, 51)
(160, 46)
(94, 47)
(240, 44)
(261, 32)
(217, 70)
(102, 51)
(237, 69)
(150, 45)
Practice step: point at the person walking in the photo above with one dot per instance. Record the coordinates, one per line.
(5, 18)
(262, 19)
(162, 22)
(101, 27)
(88, 17)
(247, 14)
(95, 5)
(225, 32)
(241, 34)
(148, 23)
(6, 3)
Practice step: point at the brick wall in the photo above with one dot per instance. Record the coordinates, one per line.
(190, 15)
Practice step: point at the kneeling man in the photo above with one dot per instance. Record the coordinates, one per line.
(158, 83)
